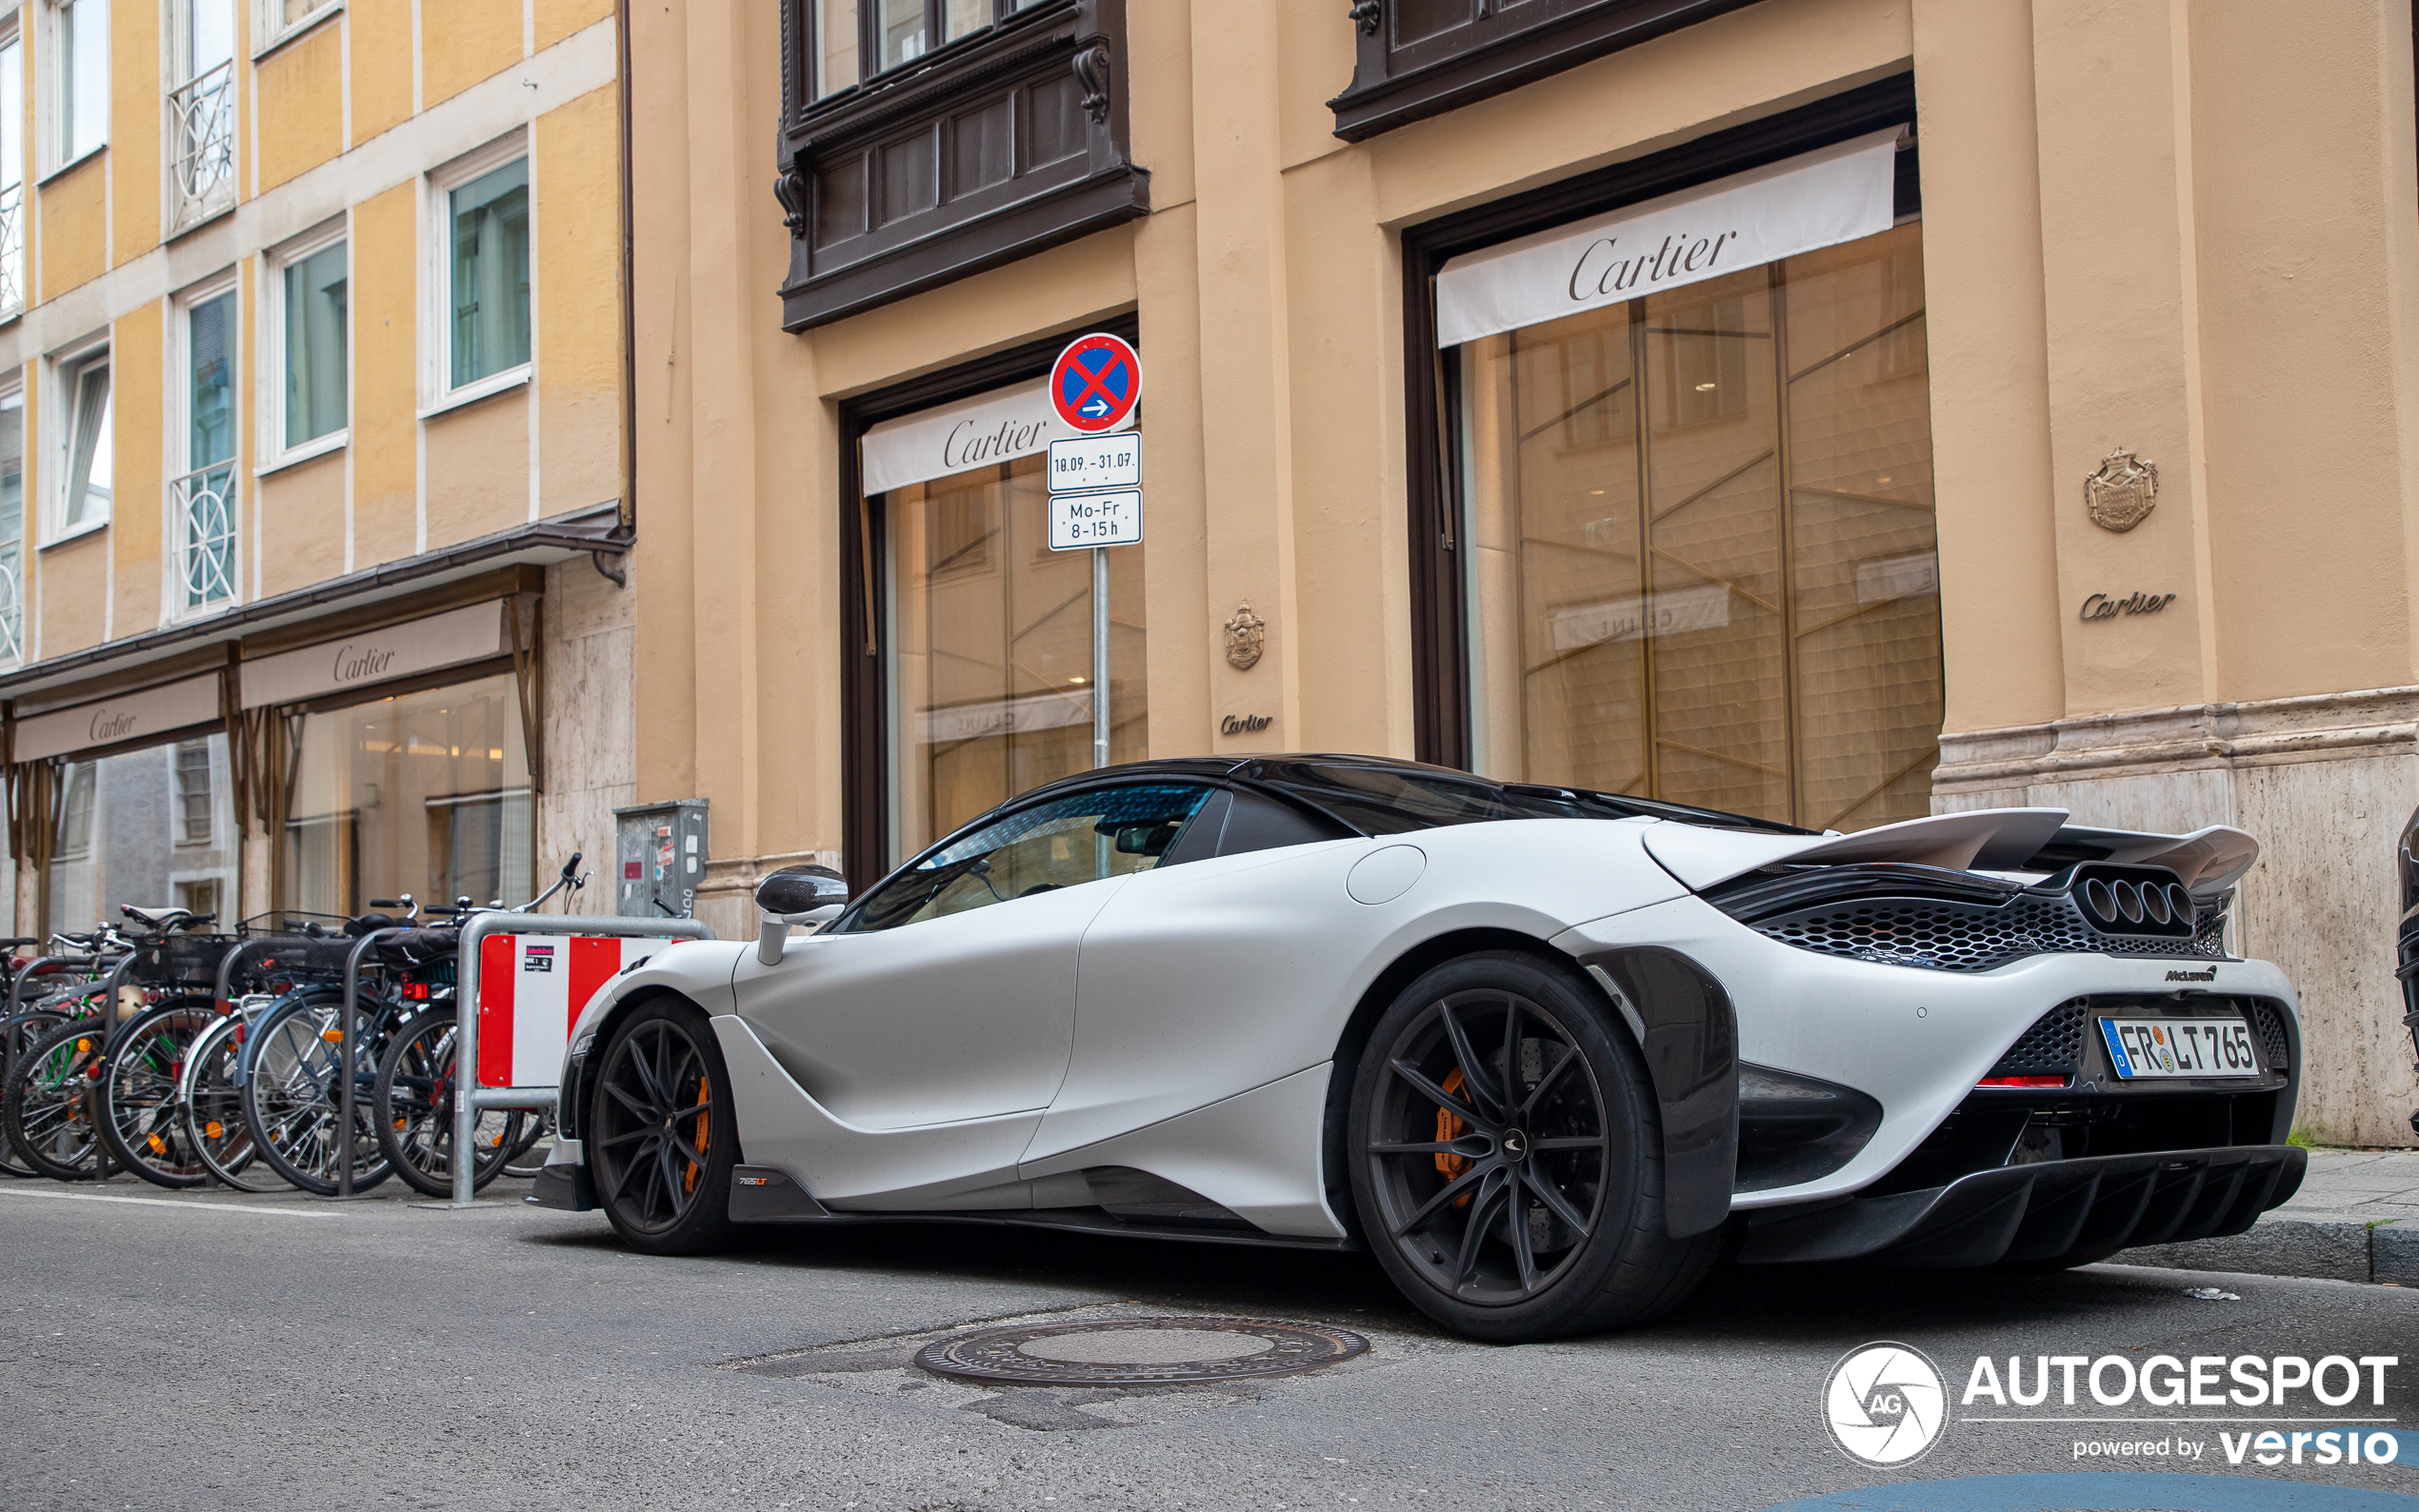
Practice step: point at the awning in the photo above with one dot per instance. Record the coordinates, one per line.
(994, 427)
(1819, 199)
(596, 532)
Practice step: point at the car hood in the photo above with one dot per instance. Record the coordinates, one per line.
(1982, 840)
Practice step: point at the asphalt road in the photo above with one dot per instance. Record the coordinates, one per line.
(257, 1354)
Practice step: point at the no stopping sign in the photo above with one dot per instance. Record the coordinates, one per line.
(1095, 382)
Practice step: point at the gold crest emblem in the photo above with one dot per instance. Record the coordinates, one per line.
(1246, 634)
(2122, 493)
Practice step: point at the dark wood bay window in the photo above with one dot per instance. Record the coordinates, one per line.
(925, 140)
(1422, 57)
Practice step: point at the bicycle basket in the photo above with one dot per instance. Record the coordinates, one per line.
(180, 960)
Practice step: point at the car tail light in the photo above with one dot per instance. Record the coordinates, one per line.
(2035, 1082)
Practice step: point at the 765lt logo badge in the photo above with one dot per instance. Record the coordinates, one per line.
(1885, 1404)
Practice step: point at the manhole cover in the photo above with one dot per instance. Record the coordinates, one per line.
(1144, 1351)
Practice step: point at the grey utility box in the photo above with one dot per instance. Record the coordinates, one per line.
(659, 857)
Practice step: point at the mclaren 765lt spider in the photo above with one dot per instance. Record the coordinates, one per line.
(1546, 1053)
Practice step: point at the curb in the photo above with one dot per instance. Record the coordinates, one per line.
(2386, 1253)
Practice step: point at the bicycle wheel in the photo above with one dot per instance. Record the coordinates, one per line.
(17, 1034)
(46, 1110)
(415, 1111)
(142, 1119)
(212, 1100)
(291, 1104)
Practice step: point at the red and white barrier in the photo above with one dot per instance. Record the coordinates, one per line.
(532, 988)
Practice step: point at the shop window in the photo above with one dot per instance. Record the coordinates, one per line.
(427, 793)
(1700, 556)
(926, 140)
(1418, 58)
(148, 827)
(309, 315)
(13, 526)
(200, 503)
(87, 460)
(12, 168)
(487, 323)
(992, 660)
(201, 112)
(80, 75)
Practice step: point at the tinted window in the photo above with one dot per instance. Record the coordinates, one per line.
(1397, 800)
(1063, 842)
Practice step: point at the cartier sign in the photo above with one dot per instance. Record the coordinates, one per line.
(990, 428)
(1819, 199)
(346, 662)
(151, 711)
(2104, 607)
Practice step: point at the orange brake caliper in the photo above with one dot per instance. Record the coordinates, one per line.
(1449, 1128)
(705, 1132)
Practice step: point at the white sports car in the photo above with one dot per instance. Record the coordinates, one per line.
(1546, 1052)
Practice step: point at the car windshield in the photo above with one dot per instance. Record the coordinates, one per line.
(1398, 800)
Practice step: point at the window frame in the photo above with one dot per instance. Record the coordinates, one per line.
(180, 831)
(870, 41)
(437, 391)
(177, 445)
(53, 93)
(269, 377)
(179, 212)
(12, 273)
(13, 387)
(269, 32)
(63, 372)
(1441, 651)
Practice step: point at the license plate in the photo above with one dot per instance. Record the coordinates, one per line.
(2143, 1048)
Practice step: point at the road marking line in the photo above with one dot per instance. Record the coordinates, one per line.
(165, 1201)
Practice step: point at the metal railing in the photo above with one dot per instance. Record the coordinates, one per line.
(202, 144)
(11, 608)
(12, 250)
(205, 534)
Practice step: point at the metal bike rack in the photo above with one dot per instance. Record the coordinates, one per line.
(468, 1096)
(345, 1094)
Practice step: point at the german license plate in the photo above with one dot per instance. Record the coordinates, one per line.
(2143, 1048)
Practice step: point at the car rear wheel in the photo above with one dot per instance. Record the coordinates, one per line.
(662, 1138)
(1507, 1156)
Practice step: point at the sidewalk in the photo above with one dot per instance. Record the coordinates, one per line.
(2356, 1218)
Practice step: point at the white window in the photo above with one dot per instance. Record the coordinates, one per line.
(480, 330)
(201, 490)
(87, 442)
(197, 811)
(280, 19)
(12, 170)
(13, 526)
(201, 112)
(80, 78)
(307, 348)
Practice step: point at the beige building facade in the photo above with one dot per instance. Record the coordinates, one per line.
(2046, 439)
(312, 450)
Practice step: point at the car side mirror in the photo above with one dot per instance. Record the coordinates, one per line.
(796, 895)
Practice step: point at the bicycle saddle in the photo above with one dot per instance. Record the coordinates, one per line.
(159, 920)
(418, 947)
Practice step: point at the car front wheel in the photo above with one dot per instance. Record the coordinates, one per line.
(1507, 1156)
(662, 1138)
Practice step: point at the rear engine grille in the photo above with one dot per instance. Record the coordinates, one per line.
(2052, 1046)
(1950, 936)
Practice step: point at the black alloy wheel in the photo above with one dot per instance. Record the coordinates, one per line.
(1506, 1157)
(661, 1138)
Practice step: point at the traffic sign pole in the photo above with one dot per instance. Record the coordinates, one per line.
(1100, 656)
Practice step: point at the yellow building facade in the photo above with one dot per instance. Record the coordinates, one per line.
(312, 449)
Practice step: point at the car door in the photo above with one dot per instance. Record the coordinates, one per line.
(947, 994)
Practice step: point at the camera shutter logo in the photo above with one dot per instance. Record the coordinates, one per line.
(1885, 1404)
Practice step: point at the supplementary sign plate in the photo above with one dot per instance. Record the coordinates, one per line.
(1081, 464)
(1081, 521)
